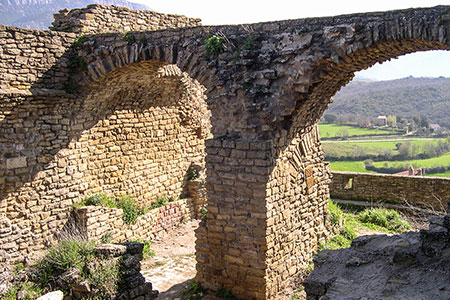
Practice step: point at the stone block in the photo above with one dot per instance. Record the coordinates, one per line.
(16, 162)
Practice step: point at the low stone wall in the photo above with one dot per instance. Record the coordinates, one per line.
(98, 18)
(426, 192)
(99, 223)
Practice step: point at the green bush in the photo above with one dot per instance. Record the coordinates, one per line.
(161, 201)
(104, 277)
(130, 209)
(389, 219)
(214, 45)
(67, 254)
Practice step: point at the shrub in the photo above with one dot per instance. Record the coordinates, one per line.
(104, 277)
(159, 202)
(214, 45)
(75, 253)
(130, 209)
(65, 255)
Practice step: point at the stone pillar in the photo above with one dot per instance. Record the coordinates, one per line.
(231, 244)
(267, 212)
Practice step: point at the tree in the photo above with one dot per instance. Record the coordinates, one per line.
(330, 118)
(424, 122)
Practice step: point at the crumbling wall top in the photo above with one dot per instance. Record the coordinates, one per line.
(97, 18)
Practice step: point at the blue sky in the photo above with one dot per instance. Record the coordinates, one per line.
(419, 64)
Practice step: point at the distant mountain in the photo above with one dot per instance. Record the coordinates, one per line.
(38, 14)
(405, 97)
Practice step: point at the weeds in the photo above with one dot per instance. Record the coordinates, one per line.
(131, 211)
(75, 259)
(129, 37)
(194, 291)
(147, 252)
(389, 219)
(373, 219)
(192, 174)
(224, 293)
(80, 41)
(162, 201)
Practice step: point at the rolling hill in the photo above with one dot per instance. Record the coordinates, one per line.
(405, 97)
(38, 14)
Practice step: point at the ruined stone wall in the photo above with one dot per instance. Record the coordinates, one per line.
(96, 18)
(425, 192)
(99, 223)
(33, 59)
(135, 133)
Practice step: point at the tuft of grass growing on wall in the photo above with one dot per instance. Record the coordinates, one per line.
(214, 45)
(161, 201)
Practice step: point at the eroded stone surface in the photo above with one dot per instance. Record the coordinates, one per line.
(413, 265)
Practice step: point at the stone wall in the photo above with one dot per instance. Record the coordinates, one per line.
(135, 133)
(96, 18)
(33, 59)
(425, 192)
(99, 223)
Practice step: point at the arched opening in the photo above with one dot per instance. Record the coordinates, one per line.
(301, 176)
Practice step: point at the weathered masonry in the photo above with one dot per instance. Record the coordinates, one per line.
(83, 114)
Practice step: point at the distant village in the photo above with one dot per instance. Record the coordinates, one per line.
(410, 126)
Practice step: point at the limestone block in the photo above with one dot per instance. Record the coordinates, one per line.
(16, 162)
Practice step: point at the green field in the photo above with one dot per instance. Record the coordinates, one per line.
(443, 160)
(349, 166)
(334, 130)
(353, 148)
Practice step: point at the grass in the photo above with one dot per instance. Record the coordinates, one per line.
(194, 291)
(351, 148)
(334, 130)
(443, 160)
(355, 221)
(71, 254)
(349, 166)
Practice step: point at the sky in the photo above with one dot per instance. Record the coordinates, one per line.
(419, 64)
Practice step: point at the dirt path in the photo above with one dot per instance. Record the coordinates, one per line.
(173, 265)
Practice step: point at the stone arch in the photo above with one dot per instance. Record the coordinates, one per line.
(142, 126)
(299, 177)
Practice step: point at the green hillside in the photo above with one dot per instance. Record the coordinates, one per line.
(407, 97)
